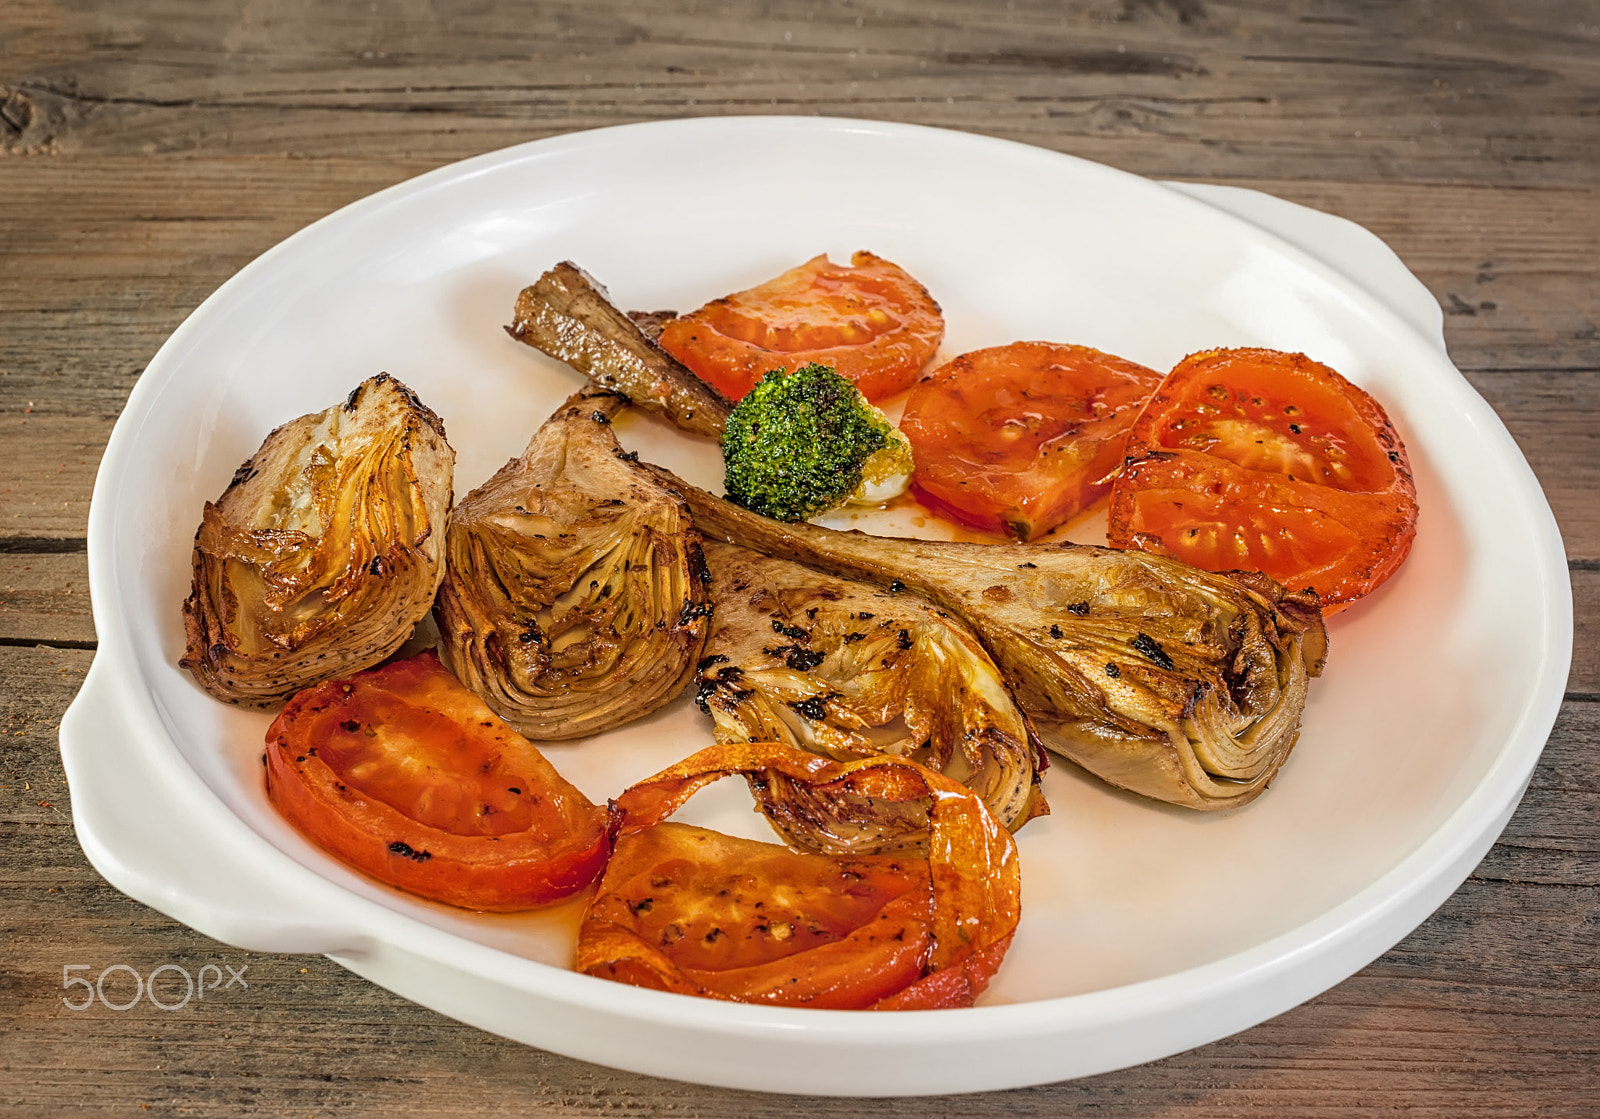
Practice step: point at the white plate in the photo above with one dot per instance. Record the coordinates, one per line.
(1146, 929)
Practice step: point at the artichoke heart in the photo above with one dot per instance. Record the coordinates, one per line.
(1179, 684)
(324, 551)
(843, 669)
(574, 597)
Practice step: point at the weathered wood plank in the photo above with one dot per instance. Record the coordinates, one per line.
(1191, 87)
(1585, 672)
(45, 598)
(1554, 838)
(1550, 415)
(47, 469)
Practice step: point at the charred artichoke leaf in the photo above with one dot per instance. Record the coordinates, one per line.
(1182, 685)
(574, 597)
(567, 315)
(324, 551)
(840, 668)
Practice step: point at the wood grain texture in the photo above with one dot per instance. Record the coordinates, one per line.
(1172, 87)
(147, 152)
(44, 598)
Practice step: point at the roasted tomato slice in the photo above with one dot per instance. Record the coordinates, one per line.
(868, 320)
(688, 910)
(1266, 461)
(1019, 439)
(404, 773)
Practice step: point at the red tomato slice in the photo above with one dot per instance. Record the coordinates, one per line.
(405, 774)
(1259, 460)
(869, 320)
(756, 922)
(688, 910)
(1019, 439)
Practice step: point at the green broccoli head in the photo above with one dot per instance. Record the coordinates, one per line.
(798, 444)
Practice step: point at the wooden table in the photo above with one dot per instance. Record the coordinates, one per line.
(151, 150)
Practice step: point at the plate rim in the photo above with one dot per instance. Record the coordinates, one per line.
(1408, 885)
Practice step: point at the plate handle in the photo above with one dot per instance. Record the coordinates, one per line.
(158, 833)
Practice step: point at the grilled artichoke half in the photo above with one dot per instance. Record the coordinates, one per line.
(1178, 684)
(575, 595)
(840, 668)
(325, 549)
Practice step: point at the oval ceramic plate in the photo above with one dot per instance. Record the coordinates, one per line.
(1146, 929)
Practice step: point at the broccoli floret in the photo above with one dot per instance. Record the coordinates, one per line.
(799, 444)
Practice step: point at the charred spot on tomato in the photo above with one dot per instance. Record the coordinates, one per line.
(350, 726)
(643, 905)
(514, 791)
(406, 851)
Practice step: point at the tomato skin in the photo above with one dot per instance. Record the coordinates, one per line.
(403, 773)
(847, 932)
(870, 321)
(1260, 460)
(686, 910)
(1018, 439)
